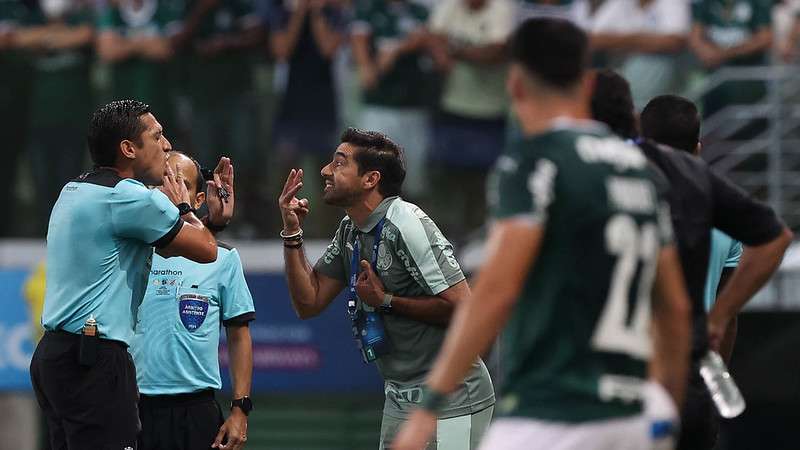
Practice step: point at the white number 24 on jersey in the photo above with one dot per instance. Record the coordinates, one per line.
(632, 245)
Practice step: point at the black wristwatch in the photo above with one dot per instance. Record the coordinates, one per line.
(244, 403)
(185, 208)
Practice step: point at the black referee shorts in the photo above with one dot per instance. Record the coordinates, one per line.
(179, 422)
(86, 407)
(699, 420)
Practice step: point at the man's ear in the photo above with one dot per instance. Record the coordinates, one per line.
(199, 199)
(127, 149)
(587, 84)
(371, 179)
(515, 83)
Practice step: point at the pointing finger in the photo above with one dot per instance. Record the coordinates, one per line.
(289, 180)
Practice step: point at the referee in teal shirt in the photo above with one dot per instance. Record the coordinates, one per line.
(176, 340)
(100, 242)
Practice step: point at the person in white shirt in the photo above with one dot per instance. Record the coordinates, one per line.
(641, 39)
(467, 43)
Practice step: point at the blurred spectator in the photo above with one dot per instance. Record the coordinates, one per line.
(641, 39)
(788, 46)
(219, 39)
(59, 43)
(134, 39)
(15, 77)
(218, 44)
(427, 4)
(468, 44)
(544, 8)
(731, 33)
(389, 45)
(306, 36)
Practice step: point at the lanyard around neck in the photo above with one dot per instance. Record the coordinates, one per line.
(353, 302)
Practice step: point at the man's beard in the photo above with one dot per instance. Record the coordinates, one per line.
(339, 197)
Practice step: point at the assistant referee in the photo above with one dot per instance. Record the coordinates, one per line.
(176, 340)
(100, 242)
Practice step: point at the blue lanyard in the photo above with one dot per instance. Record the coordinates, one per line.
(352, 302)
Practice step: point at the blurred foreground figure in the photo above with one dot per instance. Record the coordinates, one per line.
(580, 263)
(702, 203)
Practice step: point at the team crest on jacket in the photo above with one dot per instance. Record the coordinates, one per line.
(384, 257)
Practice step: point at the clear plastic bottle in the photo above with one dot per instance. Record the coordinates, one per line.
(726, 395)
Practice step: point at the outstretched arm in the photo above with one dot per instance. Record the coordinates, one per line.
(310, 291)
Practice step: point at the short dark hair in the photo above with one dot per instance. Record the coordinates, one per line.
(612, 103)
(375, 151)
(672, 120)
(552, 50)
(111, 124)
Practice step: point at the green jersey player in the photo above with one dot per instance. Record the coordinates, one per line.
(581, 235)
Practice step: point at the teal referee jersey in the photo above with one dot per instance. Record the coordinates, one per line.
(725, 254)
(175, 347)
(99, 244)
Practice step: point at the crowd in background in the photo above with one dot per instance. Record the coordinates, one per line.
(271, 83)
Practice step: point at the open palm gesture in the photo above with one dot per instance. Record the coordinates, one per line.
(221, 197)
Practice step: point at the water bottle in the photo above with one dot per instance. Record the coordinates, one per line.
(726, 395)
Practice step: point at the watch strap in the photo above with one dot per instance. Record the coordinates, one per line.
(184, 208)
(432, 400)
(244, 403)
(386, 305)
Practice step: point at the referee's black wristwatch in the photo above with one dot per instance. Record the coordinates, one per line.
(185, 208)
(244, 403)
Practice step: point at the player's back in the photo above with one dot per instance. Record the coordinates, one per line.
(577, 343)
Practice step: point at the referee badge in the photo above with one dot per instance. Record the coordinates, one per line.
(193, 309)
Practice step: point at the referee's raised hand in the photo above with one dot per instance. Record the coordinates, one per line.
(174, 187)
(293, 210)
(221, 196)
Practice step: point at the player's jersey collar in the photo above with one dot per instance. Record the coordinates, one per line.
(569, 123)
(377, 214)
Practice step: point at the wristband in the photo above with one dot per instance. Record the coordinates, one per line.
(298, 236)
(432, 401)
